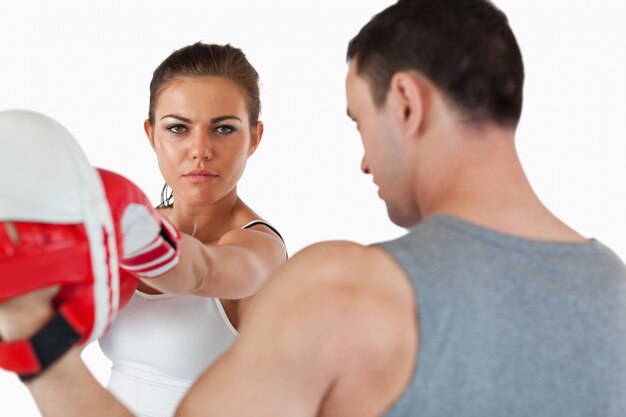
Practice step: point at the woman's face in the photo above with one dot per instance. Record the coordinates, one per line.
(202, 137)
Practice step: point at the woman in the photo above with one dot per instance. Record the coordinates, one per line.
(203, 124)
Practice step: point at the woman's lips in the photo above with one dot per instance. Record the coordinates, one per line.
(198, 176)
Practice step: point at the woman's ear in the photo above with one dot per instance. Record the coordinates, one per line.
(149, 129)
(255, 137)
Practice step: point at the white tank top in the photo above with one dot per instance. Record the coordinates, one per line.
(160, 344)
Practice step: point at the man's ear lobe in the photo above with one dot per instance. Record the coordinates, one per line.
(409, 98)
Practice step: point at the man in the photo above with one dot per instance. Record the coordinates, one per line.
(489, 306)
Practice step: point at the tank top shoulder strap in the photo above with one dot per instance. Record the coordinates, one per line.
(264, 223)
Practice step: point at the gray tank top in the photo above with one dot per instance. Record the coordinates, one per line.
(513, 327)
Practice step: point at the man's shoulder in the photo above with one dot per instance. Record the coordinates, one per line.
(362, 298)
(346, 260)
(354, 276)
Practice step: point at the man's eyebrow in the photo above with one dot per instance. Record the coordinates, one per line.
(349, 115)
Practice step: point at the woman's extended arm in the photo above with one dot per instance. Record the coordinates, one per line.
(233, 268)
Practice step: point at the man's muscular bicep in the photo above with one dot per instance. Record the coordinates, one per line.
(307, 339)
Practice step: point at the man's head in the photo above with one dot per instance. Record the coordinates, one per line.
(418, 68)
(464, 47)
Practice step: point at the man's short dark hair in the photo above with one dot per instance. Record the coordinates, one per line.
(465, 47)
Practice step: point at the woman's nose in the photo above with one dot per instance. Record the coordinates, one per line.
(364, 166)
(201, 147)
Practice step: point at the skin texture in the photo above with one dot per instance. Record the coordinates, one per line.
(335, 331)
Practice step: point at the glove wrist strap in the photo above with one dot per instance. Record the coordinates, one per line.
(29, 358)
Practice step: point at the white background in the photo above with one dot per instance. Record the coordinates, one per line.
(88, 64)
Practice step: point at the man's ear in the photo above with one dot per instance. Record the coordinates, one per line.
(408, 94)
(149, 129)
(255, 137)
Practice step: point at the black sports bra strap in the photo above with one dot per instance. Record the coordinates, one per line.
(264, 223)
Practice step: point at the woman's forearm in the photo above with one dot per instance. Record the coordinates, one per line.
(231, 270)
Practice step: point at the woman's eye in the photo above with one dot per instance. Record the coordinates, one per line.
(225, 129)
(176, 129)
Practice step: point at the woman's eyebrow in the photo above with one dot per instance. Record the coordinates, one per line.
(213, 120)
(175, 116)
(226, 117)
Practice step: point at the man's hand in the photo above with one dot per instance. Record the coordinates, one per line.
(21, 317)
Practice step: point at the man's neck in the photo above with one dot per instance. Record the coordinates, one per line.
(486, 185)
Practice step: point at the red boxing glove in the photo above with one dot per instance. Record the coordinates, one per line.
(150, 241)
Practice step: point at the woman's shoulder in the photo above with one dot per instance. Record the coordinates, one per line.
(263, 224)
(246, 218)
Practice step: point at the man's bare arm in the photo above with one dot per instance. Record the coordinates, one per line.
(67, 388)
(333, 333)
